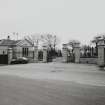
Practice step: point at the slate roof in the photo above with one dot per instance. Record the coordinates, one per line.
(6, 42)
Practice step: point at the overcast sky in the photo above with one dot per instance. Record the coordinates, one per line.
(69, 19)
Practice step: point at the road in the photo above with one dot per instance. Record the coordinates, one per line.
(52, 84)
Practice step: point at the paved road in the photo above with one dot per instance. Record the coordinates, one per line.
(52, 84)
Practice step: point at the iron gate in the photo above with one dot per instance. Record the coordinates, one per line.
(4, 59)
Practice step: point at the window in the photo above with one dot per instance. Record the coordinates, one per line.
(25, 51)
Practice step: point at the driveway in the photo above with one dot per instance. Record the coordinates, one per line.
(52, 84)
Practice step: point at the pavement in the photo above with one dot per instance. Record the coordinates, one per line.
(52, 84)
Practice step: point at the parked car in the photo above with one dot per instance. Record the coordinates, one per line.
(20, 60)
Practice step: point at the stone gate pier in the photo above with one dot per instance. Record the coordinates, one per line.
(77, 52)
(101, 52)
(65, 53)
(36, 54)
(10, 54)
(44, 54)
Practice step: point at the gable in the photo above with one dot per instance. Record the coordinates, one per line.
(24, 43)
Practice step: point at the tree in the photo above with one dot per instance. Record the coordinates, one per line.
(96, 41)
(34, 39)
(86, 51)
(51, 41)
(72, 43)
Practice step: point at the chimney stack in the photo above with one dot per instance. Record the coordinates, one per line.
(8, 37)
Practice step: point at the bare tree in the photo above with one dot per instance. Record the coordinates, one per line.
(72, 43)
(34, 39)
(50, 40)
(96, 41)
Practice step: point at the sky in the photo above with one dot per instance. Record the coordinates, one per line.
(68, 19)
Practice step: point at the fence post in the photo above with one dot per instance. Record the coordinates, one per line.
(9, 55)
(64, 52)
(44, 54)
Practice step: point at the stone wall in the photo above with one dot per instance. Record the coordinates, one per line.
(17, 52)
(89, 60)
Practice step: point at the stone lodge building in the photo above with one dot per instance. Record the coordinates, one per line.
(19, 48)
